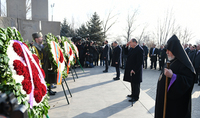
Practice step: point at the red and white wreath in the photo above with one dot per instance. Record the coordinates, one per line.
(27, 71)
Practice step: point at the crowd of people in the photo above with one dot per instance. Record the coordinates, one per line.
(91, 54)
(183, 72)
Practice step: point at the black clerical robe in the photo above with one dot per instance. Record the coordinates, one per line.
(178, 95)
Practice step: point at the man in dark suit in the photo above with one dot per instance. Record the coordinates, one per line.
(162, 56)
(133, 70)
(116, 60)
(153, 55)
(187, 50)
(146, 51)
(192, 53)
(106, 55)
(197, 64)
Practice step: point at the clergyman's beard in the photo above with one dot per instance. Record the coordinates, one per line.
(171, 58)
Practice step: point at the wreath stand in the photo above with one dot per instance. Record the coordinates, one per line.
(64, 80)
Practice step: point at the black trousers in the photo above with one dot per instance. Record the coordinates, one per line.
(117, 70)
(153, 63)
(106, 63)
(161, 64)
(145, 63)
(197, 76)
(135, 88)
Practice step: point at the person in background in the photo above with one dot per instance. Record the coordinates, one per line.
(116, 60)
(197, 64)
(106, 55)
(153, 55)
(146, 51)
(38, 49)
(187, 49)
(162, 56)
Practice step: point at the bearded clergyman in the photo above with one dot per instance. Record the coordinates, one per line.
(181, 76)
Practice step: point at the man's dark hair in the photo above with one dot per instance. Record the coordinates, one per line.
(134, 40)
(115, 42)
(106, 41)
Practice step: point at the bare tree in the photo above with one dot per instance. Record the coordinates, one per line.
(166, 28)
(119, 40)
(107, 25)
(130, 21)
(141, 37)
(186, 36)
(3, 8)
(28, 9)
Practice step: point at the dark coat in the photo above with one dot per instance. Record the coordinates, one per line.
(162, 55)
(50, 71)
(197, 62)
(179, 94)
(117, 52)
(191, 55)
(146, 51)
(155, 55)
(187, 50)
(106, 51)
(134, 62)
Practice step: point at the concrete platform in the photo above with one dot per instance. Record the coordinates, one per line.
(96, 95)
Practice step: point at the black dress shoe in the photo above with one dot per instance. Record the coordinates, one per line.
(51, 93)
(129, 96)
(199, 84)
(116, 78)
(132, 100)
(105, 71)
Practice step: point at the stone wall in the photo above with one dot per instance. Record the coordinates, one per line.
(27, 27)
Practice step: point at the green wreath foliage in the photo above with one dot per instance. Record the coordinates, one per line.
(8, 84)
(50, 37)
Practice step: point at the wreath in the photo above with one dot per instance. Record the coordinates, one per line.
(56, 57)
(21, 73)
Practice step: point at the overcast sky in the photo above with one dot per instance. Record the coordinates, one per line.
(186, 13)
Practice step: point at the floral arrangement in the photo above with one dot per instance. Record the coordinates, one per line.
(68, 52)
(75, 50)
(21, 73)
(56, 57)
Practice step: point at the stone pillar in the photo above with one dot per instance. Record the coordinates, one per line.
(0, 7)
(40, 10)
(16, 9)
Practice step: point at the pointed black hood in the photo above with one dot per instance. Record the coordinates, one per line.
(174, 45)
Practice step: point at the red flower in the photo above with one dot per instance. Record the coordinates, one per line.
(26, 74)
(36, 77)
(70, 51)
(61, 56)
(43, 72)
(36, 58)
(19, 67)
(25, 45)
(37, 95)
(17, 48)
(27, 86)
(44, 90)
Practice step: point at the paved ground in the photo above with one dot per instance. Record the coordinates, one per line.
(96, 95)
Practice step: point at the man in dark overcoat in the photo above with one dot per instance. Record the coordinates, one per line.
(146, 51)
(153, 55)
(133, 69)
(106, 55)
(116, 60)
(197, 64)
(180, 83)
(161, 56)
